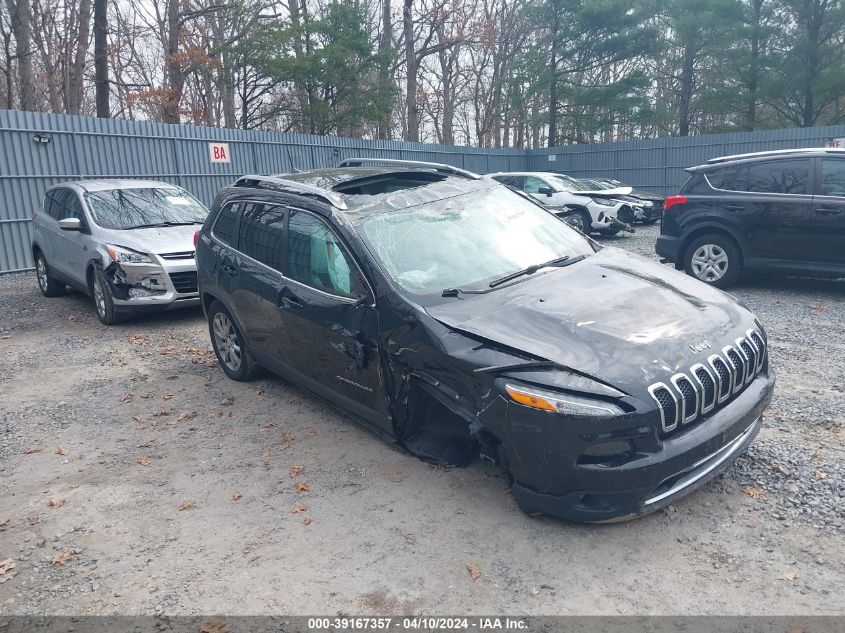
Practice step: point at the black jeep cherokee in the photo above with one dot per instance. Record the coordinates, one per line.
(780, 211)
(453, 316)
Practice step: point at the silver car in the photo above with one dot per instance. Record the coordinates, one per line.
(129, 244)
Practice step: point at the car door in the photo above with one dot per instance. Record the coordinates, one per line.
(329, 331)
(47, 227)
(771, 203)
(253, 274)
(827, 242)
(73, 248)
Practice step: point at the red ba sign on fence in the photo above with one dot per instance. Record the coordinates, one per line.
(219, 153)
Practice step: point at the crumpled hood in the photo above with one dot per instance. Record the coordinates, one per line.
(166, 239)
(614, 315)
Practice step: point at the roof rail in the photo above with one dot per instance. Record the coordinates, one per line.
(777, 152)
(291, 186)
(439, 167)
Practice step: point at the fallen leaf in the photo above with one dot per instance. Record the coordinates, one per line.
(61, 450)
(184, 417)
(61, 559)
(295, 471)
(474, 570)
(268, 425)
(260, 392)
(144, 461)
(56, 502)
(301, 487)
(753, 491)
(789, 575)
(287, 439)
(127, 398)
(215, 626)
(265, 457)
(32, 449)
(146, 396)
(820, 474)
(168, 396)
(4, 521)
(298, 508)
(187, 506)
(228, 402)
(308, 520)
(236, 496)
(161, 413)
(138, 339)
(6, 565)
(312, 432)
(782, 469)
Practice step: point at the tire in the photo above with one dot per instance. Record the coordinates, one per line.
(229, 344)
(579, 220)
(714, 259)
(49, 286)
(103, 300)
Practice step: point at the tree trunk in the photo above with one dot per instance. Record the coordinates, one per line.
(553, 85)
(687, 83)
(413, 115)
(20, 13)
(77, 69)
(383, 126)
(101, 58)
(813, 34)
(225, 74)
(172, 66)
(754, 65)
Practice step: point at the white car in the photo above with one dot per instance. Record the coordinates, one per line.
(586, 209)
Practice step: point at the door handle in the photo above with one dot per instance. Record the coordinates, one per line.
(292, 302)
(230, 270)
(828, 211)
(734, 207)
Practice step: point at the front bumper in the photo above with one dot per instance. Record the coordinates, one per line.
(560, 485)
(160, 285)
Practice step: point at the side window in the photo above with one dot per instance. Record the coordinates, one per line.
(54, 203)
(783, 176)
(722, 178)
(833, 177)
(695, 185)
(225, 224)
(72, 207)
(262, 234)
(318, 259)
(532, 185)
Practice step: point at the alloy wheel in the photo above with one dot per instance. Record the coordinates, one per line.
(99, 297)
(41, 273)
(227, 342)
(709, 262)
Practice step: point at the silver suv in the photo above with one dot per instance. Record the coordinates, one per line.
(129, 244)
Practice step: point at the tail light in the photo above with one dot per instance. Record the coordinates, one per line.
(196, 238)
(671, 201)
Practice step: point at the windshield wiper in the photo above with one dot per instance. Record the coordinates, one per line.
(530, 270)
(161, 224)
(454, 292)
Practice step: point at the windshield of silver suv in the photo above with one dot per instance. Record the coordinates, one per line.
(124, 209)
(465, 241)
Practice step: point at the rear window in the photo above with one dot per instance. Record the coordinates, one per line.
(696, 184)
(833, 177)
(722, 178)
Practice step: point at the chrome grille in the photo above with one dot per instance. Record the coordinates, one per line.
(690, 396)
(182, 255)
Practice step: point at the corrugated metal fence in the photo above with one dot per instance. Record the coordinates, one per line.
(657, 165)
(38, 150)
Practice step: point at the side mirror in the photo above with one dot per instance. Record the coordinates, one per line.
(546, 190)
(70, 224)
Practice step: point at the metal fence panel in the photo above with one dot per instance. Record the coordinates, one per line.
(87, 147)
(658, 165)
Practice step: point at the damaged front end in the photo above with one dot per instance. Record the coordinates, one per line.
(133, 275)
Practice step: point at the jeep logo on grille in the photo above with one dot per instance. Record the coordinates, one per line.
(699, 347)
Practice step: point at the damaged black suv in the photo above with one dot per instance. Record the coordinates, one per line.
(454, 317)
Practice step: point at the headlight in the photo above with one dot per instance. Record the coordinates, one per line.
(603, 202)
(560, 403)
(123, 255)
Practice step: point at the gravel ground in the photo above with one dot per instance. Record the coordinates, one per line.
(138, 479)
